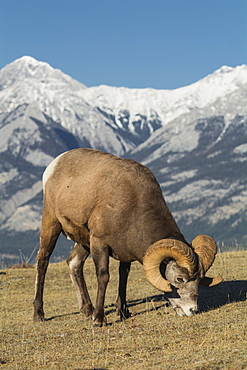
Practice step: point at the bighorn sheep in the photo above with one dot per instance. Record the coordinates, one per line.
(114, 207)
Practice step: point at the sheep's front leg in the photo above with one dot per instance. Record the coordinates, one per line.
(50, 231)
(122, 310)
(76, 262)
(101, 260)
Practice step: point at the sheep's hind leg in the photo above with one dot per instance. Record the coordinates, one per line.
(76, 262)
(121, 305)
(101, 260)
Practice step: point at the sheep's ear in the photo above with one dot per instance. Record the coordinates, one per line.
(208, 282)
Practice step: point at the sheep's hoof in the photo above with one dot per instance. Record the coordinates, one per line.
(99, 322)
(87, 310)
(125, 315)
(38, 318)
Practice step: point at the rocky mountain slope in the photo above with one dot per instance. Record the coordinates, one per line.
(192, 138)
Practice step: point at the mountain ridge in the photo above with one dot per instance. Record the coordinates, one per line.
(184, 136)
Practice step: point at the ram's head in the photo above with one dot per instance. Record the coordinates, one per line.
(177, 269)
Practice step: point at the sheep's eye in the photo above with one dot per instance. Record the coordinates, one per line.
(180, 280)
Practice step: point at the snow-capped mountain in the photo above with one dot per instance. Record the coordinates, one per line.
(193, 138)
(130, 105)
(57, 96)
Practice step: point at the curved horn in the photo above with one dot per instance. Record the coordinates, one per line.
(167, 248)
(206, 249)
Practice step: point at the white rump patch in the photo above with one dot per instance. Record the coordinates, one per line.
(50, 169)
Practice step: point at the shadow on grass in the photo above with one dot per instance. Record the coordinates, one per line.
(209, 299)
(135, 302)
(64, 315)
(219, 295)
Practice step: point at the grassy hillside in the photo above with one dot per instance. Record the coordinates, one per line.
(153, 338)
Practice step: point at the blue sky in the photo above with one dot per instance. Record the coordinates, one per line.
(161, 44)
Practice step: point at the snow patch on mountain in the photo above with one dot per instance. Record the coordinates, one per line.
(25, 218)
(193, 192)
(241, 149)
(38, 158)
(224, 212)
(7, 176)
(19, 129)
(9, 206)
(185, 175)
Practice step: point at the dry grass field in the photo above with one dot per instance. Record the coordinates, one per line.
(153, 338)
